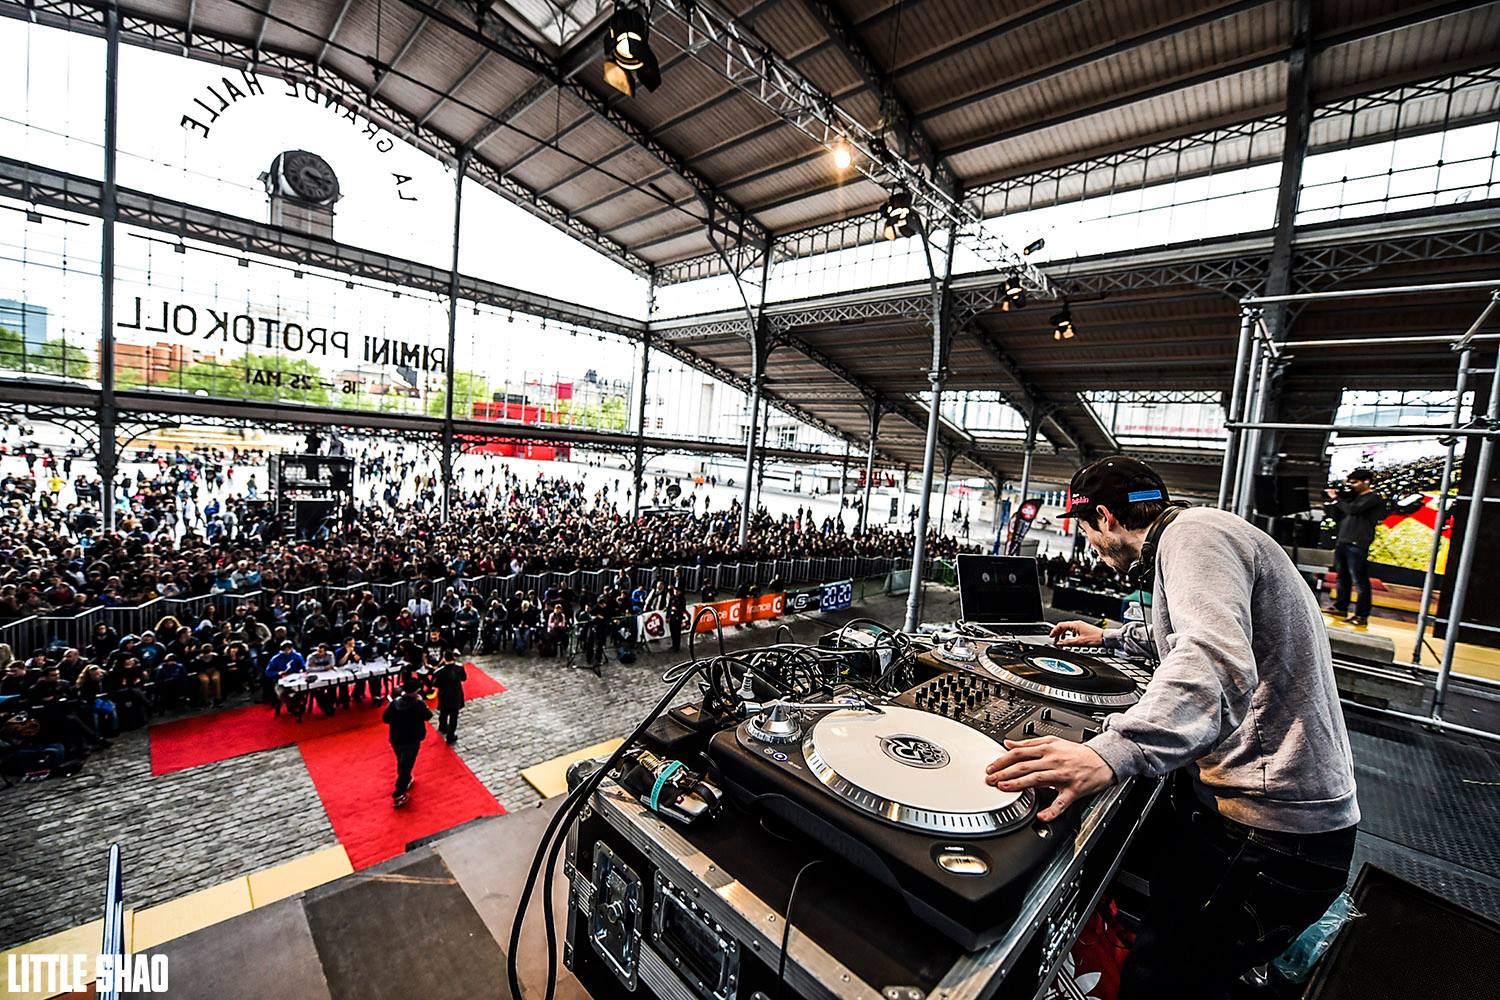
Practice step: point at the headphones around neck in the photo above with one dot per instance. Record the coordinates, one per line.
(1142, 572)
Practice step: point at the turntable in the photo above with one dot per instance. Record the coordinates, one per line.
(898, 791)
(1058, 673)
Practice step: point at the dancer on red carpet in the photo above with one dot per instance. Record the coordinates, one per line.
(407, 717)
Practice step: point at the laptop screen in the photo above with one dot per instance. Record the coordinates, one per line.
(999, 589)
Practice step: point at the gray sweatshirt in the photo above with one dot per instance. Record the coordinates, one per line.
(1244, 694)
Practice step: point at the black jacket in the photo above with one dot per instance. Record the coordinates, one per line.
(407, 716)
(1357, 516)
(449, 679)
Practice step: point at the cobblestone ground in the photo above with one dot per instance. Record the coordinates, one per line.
(195, 828)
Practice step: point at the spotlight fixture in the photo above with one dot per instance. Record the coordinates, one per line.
(897, 219)
(843, 153)
(1062, 325)
(628, 58)
(1015, 293)
(182, 248)
(1034, 246)
(244, 262)
(33, 216)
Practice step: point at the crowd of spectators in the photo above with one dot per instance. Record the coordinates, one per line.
(195, 523)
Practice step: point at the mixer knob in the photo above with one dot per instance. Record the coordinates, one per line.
(1029, 729)
(1046, 715)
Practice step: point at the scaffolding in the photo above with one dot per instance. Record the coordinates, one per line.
(1257, 358)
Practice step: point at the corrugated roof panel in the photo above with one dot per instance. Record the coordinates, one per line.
(1422, 51)
(1238, 97)
(780, 146)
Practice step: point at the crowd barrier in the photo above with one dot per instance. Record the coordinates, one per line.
(28, 635)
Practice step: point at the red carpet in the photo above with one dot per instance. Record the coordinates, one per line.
(354, 773)
(215, 736)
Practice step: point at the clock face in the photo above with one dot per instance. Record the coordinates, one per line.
(309, 176)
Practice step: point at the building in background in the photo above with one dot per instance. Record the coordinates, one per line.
(27, 319)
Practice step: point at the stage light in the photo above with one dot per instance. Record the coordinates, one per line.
(1062, 325)
(1034, 246)
(897, 219)
(1015, 293)
(628, 58)
(843, 154)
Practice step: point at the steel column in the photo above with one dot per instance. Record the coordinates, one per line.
(844, 475)
(1470, 548)
(1279, 268)
(864, 510)
(1429, 578)
(948, 457)
(757, 358)
(640, 423)
(1236, 399)
(936, 377)
(460, 169)
(1260, 371)
(759, 349)
(107, 453)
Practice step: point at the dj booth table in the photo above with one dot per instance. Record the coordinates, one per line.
(707, 907)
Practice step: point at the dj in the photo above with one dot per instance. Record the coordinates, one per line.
(1242, 708)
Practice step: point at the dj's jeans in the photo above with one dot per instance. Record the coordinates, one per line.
(1226, 898)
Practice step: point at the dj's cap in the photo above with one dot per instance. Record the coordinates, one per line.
(1114, 482)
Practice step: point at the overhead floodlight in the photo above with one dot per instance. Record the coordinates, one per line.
(628, 58)
(1062, 325)
(843, 153)
(1034, 245)
(897, 218)
(1015, 293)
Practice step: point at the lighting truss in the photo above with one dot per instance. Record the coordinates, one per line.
(747, 62)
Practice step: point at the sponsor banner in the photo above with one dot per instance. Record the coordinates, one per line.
(657, 624)
(740, 611)
(804, 600)
(837, 596)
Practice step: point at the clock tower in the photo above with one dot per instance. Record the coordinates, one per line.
(302, 188)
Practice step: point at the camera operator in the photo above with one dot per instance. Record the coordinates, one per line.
(1358, 509)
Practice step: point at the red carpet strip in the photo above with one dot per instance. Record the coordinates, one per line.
(355, 772)
(214, 736)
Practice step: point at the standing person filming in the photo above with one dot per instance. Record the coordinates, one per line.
(1358, 509)
(1242, 712)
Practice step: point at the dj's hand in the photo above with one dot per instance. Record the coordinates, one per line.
(1077, 634)
(1048, 762)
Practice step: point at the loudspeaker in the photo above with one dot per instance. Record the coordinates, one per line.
(1278, 496)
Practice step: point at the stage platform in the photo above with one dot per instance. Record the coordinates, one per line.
(434, 921)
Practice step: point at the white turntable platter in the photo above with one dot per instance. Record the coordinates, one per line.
(911, 758)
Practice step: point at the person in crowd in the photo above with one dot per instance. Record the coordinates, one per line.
(676, 616)
(406, 717)
(1242, 711)
(1358, 509)
(286, 661)
(449, 679)
(466, 621)
(322, 658)
(557, 631)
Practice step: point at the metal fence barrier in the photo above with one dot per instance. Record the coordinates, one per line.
(29, 635)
